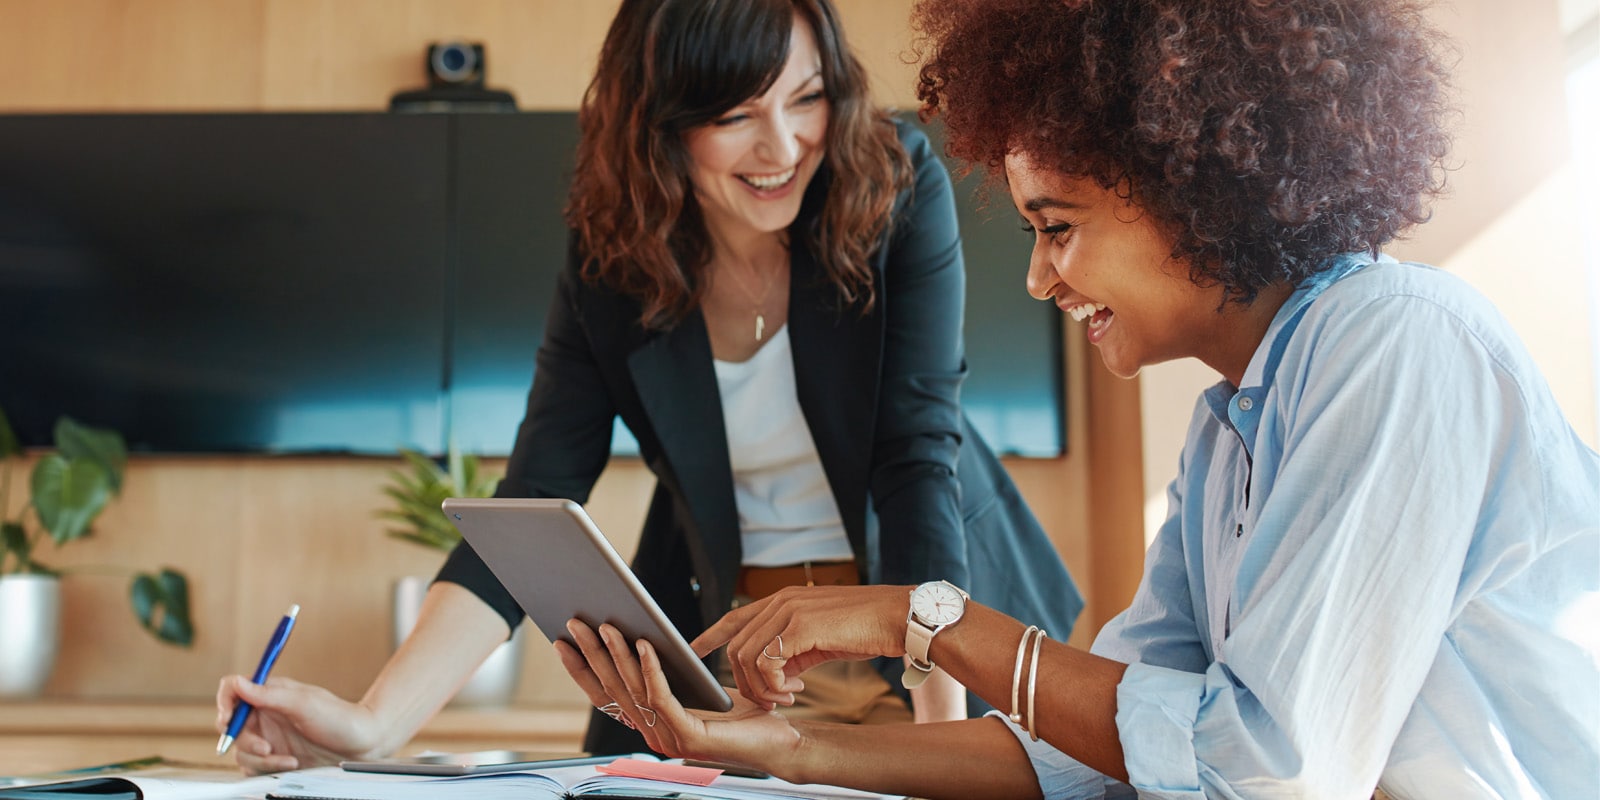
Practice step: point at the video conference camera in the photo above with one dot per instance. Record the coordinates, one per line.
(456, 74)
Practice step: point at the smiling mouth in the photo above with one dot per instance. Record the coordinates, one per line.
(770, 182)
(1083, 311)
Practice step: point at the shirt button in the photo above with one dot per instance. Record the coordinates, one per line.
(1245, 404)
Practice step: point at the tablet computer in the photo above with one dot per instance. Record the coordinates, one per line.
(557, 564)
(477, 763)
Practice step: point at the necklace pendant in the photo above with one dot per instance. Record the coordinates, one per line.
(761, 324)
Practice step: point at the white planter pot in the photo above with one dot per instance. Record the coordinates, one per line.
(30, 632)
(495, 681)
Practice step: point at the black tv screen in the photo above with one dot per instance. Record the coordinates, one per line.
(227, 283)
(347, 283)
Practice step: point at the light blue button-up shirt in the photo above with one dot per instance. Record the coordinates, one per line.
(1381, 567)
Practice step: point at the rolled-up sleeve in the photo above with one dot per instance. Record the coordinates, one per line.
(1062, 777)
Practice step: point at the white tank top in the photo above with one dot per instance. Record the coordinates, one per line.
(787, 513)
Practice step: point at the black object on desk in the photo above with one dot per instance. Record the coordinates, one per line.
(102, 788)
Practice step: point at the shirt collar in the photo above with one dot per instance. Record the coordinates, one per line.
(1264, 362)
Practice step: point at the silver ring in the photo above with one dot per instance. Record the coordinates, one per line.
(649, 715)
(779, 656)
(614, 711)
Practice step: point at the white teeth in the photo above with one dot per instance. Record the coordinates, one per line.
(768, 181)
(1083, 311)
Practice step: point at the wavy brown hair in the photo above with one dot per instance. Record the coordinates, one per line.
(669, 66)
(1264, 135)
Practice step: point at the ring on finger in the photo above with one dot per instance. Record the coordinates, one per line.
(614, 711)
(649, 715)
(778, 639)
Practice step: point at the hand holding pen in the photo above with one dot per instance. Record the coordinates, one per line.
(241, 711)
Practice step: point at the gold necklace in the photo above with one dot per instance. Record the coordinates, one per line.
(759, 303)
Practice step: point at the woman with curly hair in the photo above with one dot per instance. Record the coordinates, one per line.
(765, 284)
(1381, 563)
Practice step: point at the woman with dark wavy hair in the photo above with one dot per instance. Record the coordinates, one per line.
(765, 284)
(1381, 563)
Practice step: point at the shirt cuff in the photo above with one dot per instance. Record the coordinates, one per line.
(1156, 712)
(1060, 776)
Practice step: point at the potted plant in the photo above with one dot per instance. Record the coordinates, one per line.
(416, 517)
(67, 490)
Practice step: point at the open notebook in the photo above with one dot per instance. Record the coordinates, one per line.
(548, 784)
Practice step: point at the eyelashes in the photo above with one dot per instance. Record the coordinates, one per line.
(809, 99)
(1057, 231)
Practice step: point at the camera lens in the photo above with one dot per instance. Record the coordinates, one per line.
(454, 62)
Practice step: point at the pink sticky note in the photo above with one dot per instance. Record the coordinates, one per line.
(661, 771)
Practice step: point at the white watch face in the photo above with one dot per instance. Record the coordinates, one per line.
(937, 603)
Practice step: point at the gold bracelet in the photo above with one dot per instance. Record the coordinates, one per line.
(1016, 676)
(1033, 683)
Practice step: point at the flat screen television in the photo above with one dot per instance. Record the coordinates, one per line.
(348, 283)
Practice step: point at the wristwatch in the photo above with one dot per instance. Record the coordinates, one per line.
(935, 605)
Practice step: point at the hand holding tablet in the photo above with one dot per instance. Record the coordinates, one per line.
(558, 565)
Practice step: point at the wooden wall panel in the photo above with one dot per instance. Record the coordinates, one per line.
(879, 32)
(149, 55)
(354, 54)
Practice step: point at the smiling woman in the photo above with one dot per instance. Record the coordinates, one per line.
(1105, 260)
(650, 175)
(750, 168)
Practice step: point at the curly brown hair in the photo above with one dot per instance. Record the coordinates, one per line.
(669, 66)
(1265, 136)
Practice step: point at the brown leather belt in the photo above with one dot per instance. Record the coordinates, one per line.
(758, 582)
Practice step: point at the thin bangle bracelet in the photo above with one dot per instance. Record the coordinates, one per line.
(1033, 684)
(1016, 676)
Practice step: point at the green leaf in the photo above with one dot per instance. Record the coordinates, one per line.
(167, 593)
(8, 439)
(144, 593)
(102, 446)
(14, 540)
(418, 492)
(68, 495)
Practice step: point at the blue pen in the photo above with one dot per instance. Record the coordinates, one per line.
(241, 712)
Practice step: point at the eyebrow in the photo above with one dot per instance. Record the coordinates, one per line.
(1042, 203)
(806, 84)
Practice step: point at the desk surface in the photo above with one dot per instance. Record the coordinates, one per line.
(49, 735)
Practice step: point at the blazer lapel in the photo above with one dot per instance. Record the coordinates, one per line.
(677, 385)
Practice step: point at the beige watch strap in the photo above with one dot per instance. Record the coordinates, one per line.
(915, 676)
(919, 637)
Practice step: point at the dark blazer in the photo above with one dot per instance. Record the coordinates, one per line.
(921, 495)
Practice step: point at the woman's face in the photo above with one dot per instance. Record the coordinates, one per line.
(1105, 263)
(750, 167)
